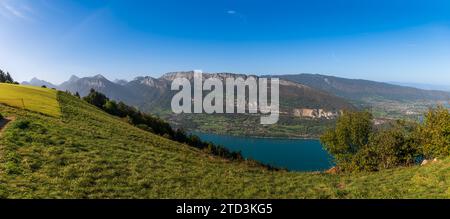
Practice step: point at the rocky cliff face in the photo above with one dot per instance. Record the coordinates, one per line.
(316, 113)
(190, 75)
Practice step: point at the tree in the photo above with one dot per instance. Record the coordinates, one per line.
(356, 146)
(6, 77)
(111, 107)
(77, 94)
(9, 78)
(180, 135)
(435, 133)
(390, 147)
(352, 133)
(96, 98)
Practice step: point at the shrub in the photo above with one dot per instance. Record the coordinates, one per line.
(390, 147)
(357, 146)
(1, 116)
(351, 133)
(435, 133)
(95, 98)
(110, 107)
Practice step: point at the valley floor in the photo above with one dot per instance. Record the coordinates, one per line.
(86, 153)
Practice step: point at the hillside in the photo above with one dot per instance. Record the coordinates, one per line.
(86, 153)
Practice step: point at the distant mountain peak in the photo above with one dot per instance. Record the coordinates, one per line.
(38, 82)
(99, 76)
(73, 78)
(172, 75)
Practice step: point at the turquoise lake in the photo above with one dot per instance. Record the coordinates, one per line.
(293, 154)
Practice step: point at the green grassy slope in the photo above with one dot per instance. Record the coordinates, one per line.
(89, 154)
(33, 98)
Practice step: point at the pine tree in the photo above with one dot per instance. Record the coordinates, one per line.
(9, 78)
(6, 77)
(2, 77)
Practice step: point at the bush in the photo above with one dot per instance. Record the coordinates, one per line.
(352, 133)
(95, 98)
(110, 107)
(435, 133)
(1, 116)
(357, 146)
(390, 147)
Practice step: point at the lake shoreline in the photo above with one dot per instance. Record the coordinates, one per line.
(257, 136)
(295, 155)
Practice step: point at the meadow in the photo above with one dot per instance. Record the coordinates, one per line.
(42, 100)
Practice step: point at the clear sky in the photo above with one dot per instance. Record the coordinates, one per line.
(384, 40)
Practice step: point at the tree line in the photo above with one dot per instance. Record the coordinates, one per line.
(5, 77)
(158, 126)
(358, 145)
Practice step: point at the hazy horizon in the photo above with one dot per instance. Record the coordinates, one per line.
(402, 41)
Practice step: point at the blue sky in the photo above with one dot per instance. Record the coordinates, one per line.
(383, 40)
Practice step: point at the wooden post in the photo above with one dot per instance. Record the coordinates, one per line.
(23, 103)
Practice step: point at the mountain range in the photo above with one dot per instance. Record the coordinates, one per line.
(148, 93)
(307, 101)
(37, 82)
(356, 89)
(310, 90)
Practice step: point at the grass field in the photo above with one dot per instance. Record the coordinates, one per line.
(32, 98)
(89, 154)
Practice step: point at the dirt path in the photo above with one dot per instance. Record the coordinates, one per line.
(4, 122)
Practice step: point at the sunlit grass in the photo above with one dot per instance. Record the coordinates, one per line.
(42, 100)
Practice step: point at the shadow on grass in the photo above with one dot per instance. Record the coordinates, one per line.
(4, 122)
